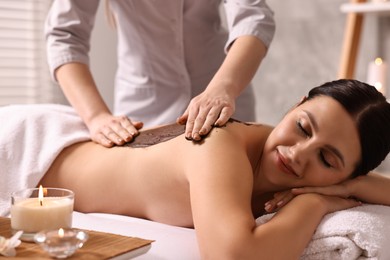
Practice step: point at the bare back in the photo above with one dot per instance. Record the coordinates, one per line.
(150, 182)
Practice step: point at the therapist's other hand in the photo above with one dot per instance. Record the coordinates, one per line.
(109, 130)
(205, 111)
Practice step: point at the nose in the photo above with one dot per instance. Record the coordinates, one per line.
(298, 153)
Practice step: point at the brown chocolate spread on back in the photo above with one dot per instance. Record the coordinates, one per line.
(161, 134)
(156, 135)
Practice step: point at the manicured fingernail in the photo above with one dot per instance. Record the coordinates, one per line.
(196, 137)
(280, 203)
(267, 207)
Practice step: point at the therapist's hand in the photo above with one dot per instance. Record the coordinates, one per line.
(109, 130)
(205, 111)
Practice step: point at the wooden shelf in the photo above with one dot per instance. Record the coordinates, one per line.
(356, 10)
(367, 8)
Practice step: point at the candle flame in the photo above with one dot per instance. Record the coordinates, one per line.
(61, 232)
(378, 61)
(40, 195)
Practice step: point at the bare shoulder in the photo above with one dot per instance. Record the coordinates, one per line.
(234, 145)
(234, 135)
(244, 132)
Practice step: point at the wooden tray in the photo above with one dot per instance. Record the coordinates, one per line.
(100, 245)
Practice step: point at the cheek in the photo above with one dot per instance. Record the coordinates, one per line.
(282, 135)
(323, 177)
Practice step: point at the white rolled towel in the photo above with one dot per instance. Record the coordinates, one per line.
(31, 137)
(358, 233)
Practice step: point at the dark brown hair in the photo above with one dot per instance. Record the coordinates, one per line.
(371, 112)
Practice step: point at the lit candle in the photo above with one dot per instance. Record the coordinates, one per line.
(376, 75)
(34, 210)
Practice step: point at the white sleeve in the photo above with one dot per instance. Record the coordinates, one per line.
(249, 17)
(68, 28)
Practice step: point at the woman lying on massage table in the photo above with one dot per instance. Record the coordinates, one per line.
(219, 185)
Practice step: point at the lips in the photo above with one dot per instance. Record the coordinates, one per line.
(283, 165)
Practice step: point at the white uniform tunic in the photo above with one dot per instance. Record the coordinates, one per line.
(168, 50)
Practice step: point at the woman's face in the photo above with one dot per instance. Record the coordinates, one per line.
(316, 144)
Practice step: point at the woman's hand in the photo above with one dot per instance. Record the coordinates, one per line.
(215, 105)
(282, 198)
(205, 111)
(108, 130)
(79, 87)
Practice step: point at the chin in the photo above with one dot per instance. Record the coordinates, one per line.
(275, 176)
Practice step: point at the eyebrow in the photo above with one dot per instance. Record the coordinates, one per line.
(329, 147)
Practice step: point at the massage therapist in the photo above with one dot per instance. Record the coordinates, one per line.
(175, 63)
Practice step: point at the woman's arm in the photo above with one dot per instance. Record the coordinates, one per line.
(221, 193)
(288, 233)
(68, 31)
(216, 104)
(251, 29)
(79, 87)
(371, 188)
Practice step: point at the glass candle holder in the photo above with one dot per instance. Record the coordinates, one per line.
(61, 243)
(31, 212)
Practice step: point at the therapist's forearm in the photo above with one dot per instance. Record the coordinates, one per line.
(240, 65)
(80, 89)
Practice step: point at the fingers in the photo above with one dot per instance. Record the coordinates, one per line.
(114, 130)
(102, 139)
(280, 199)
(200, 120)
(224, 116)
(354, 203)
(200, 124)
(126, 129)
(183, 118)
(303, 190)
(138, 125)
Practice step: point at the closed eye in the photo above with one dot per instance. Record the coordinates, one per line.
(308, 134)
(302, 129)
(324, 161)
